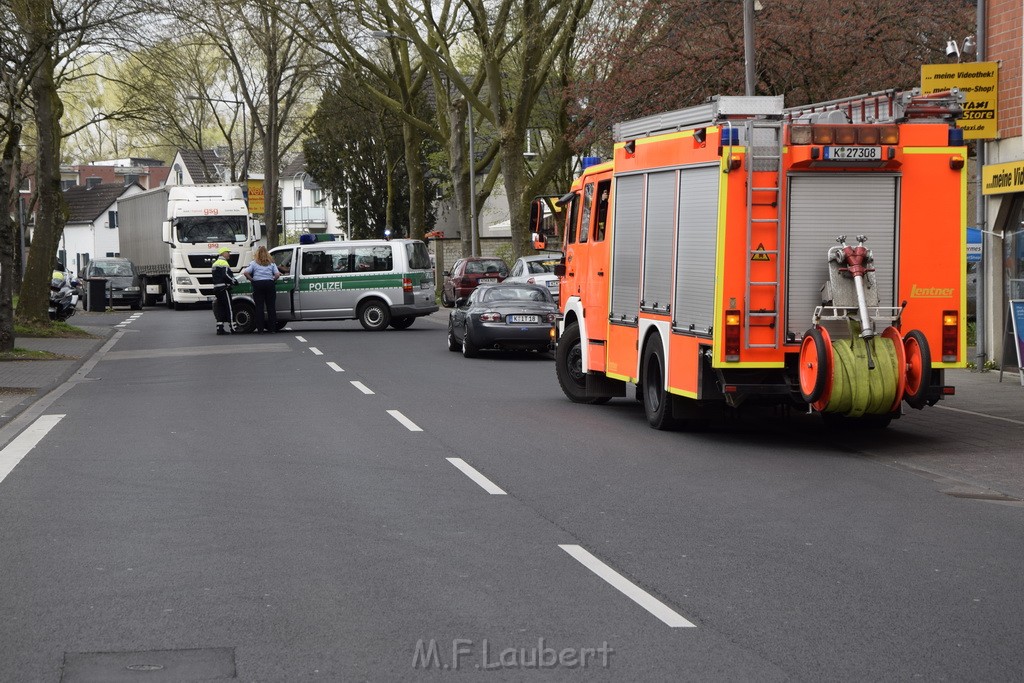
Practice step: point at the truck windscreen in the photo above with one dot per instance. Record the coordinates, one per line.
(195, 229)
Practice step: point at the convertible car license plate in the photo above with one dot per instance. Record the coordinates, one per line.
(514, 319)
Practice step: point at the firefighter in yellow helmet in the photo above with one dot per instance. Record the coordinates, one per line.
(223, 279)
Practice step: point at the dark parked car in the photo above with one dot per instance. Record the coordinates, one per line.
(467, 273)
(516, 316)
(123, 283)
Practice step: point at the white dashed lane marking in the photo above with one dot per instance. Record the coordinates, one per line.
(316, 351)
(17, 449)
(301, 339)
(485, 483)
(406, 422)
(334, 366)
(628, 588)
(362, 387)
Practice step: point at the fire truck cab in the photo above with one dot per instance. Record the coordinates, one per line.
(739, 251)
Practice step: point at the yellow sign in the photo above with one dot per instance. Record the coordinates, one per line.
(977, 80)
(256, 197)
(760, 254)
(1002, 178)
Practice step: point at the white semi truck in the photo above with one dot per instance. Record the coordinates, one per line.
(173, 233)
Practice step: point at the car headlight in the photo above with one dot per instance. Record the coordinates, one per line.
(131, 289)
(183, 280)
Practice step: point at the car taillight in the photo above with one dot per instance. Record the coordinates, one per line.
(950, 335)
(732, 335)
(551, 317)
(490, 317)
(531, 281)
(406, 284)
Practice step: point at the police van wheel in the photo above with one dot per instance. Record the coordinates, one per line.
(244, 316)
(374, 315)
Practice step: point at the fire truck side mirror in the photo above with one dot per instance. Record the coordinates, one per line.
(539, 241)
(537, 217)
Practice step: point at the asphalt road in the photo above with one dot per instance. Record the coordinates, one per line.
(336, 504)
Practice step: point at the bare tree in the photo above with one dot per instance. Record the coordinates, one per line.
(273, 70)
(56, 32)
(15, 74)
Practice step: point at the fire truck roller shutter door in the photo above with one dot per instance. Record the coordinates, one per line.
(822, 206)
(659, 229)
(626, 248)
(696, 249)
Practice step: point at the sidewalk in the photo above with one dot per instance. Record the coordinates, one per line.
(22, 382)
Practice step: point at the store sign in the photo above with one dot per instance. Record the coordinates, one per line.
(1002, 178)
(973, 245)
(256, 197)
(977, 80)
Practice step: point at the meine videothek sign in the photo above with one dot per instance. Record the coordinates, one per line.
(977, 80)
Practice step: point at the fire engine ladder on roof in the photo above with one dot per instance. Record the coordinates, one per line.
(764, 153)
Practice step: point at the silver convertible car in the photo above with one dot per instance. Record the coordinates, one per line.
(503, 316)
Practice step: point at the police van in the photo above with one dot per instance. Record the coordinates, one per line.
(378, 282)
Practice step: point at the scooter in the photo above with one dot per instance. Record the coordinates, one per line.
(63, 298)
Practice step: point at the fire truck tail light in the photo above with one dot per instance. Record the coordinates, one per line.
(732, 335)
(868, 135)
(889, 135)
(950, 335)
(800, 135)
(822, 135)
(844, 134)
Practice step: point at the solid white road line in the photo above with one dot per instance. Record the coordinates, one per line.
(362, 387)
(627, 587)
(316, 351)
(301, 339)
(406, 422)
(19, 447)
(334, 366)
(485, 483)
(991, 417)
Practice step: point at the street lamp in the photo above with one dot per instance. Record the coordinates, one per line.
(474, 247)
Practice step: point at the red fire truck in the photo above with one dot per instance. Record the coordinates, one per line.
(739, 251)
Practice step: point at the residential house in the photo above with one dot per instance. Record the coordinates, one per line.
(148, 173)
(305, 206)
(91, 230)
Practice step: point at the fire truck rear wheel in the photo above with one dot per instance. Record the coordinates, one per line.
(657, 401)
(919, 369)
(569, 367)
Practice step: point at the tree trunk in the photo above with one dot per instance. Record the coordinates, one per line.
(8, 233)
(52, 211)
(459, 171)
(414, 171)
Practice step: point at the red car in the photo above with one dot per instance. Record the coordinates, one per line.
(467, 273)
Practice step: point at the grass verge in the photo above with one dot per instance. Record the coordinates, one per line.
(51, 330)
(29, 354)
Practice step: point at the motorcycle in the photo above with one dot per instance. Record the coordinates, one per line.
(63, 298)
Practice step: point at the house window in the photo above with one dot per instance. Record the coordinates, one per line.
(67, 183)
(130, 179)
(111, 219)
(318, 197)
(298, 196)
(93, 181)
(179, 175)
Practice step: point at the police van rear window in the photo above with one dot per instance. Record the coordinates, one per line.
(419, 257)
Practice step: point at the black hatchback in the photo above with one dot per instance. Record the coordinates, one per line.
(121, 282)
(513, 316)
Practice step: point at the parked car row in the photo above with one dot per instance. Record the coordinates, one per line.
(470, 272)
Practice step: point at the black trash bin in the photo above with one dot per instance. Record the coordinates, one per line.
(97, 294)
